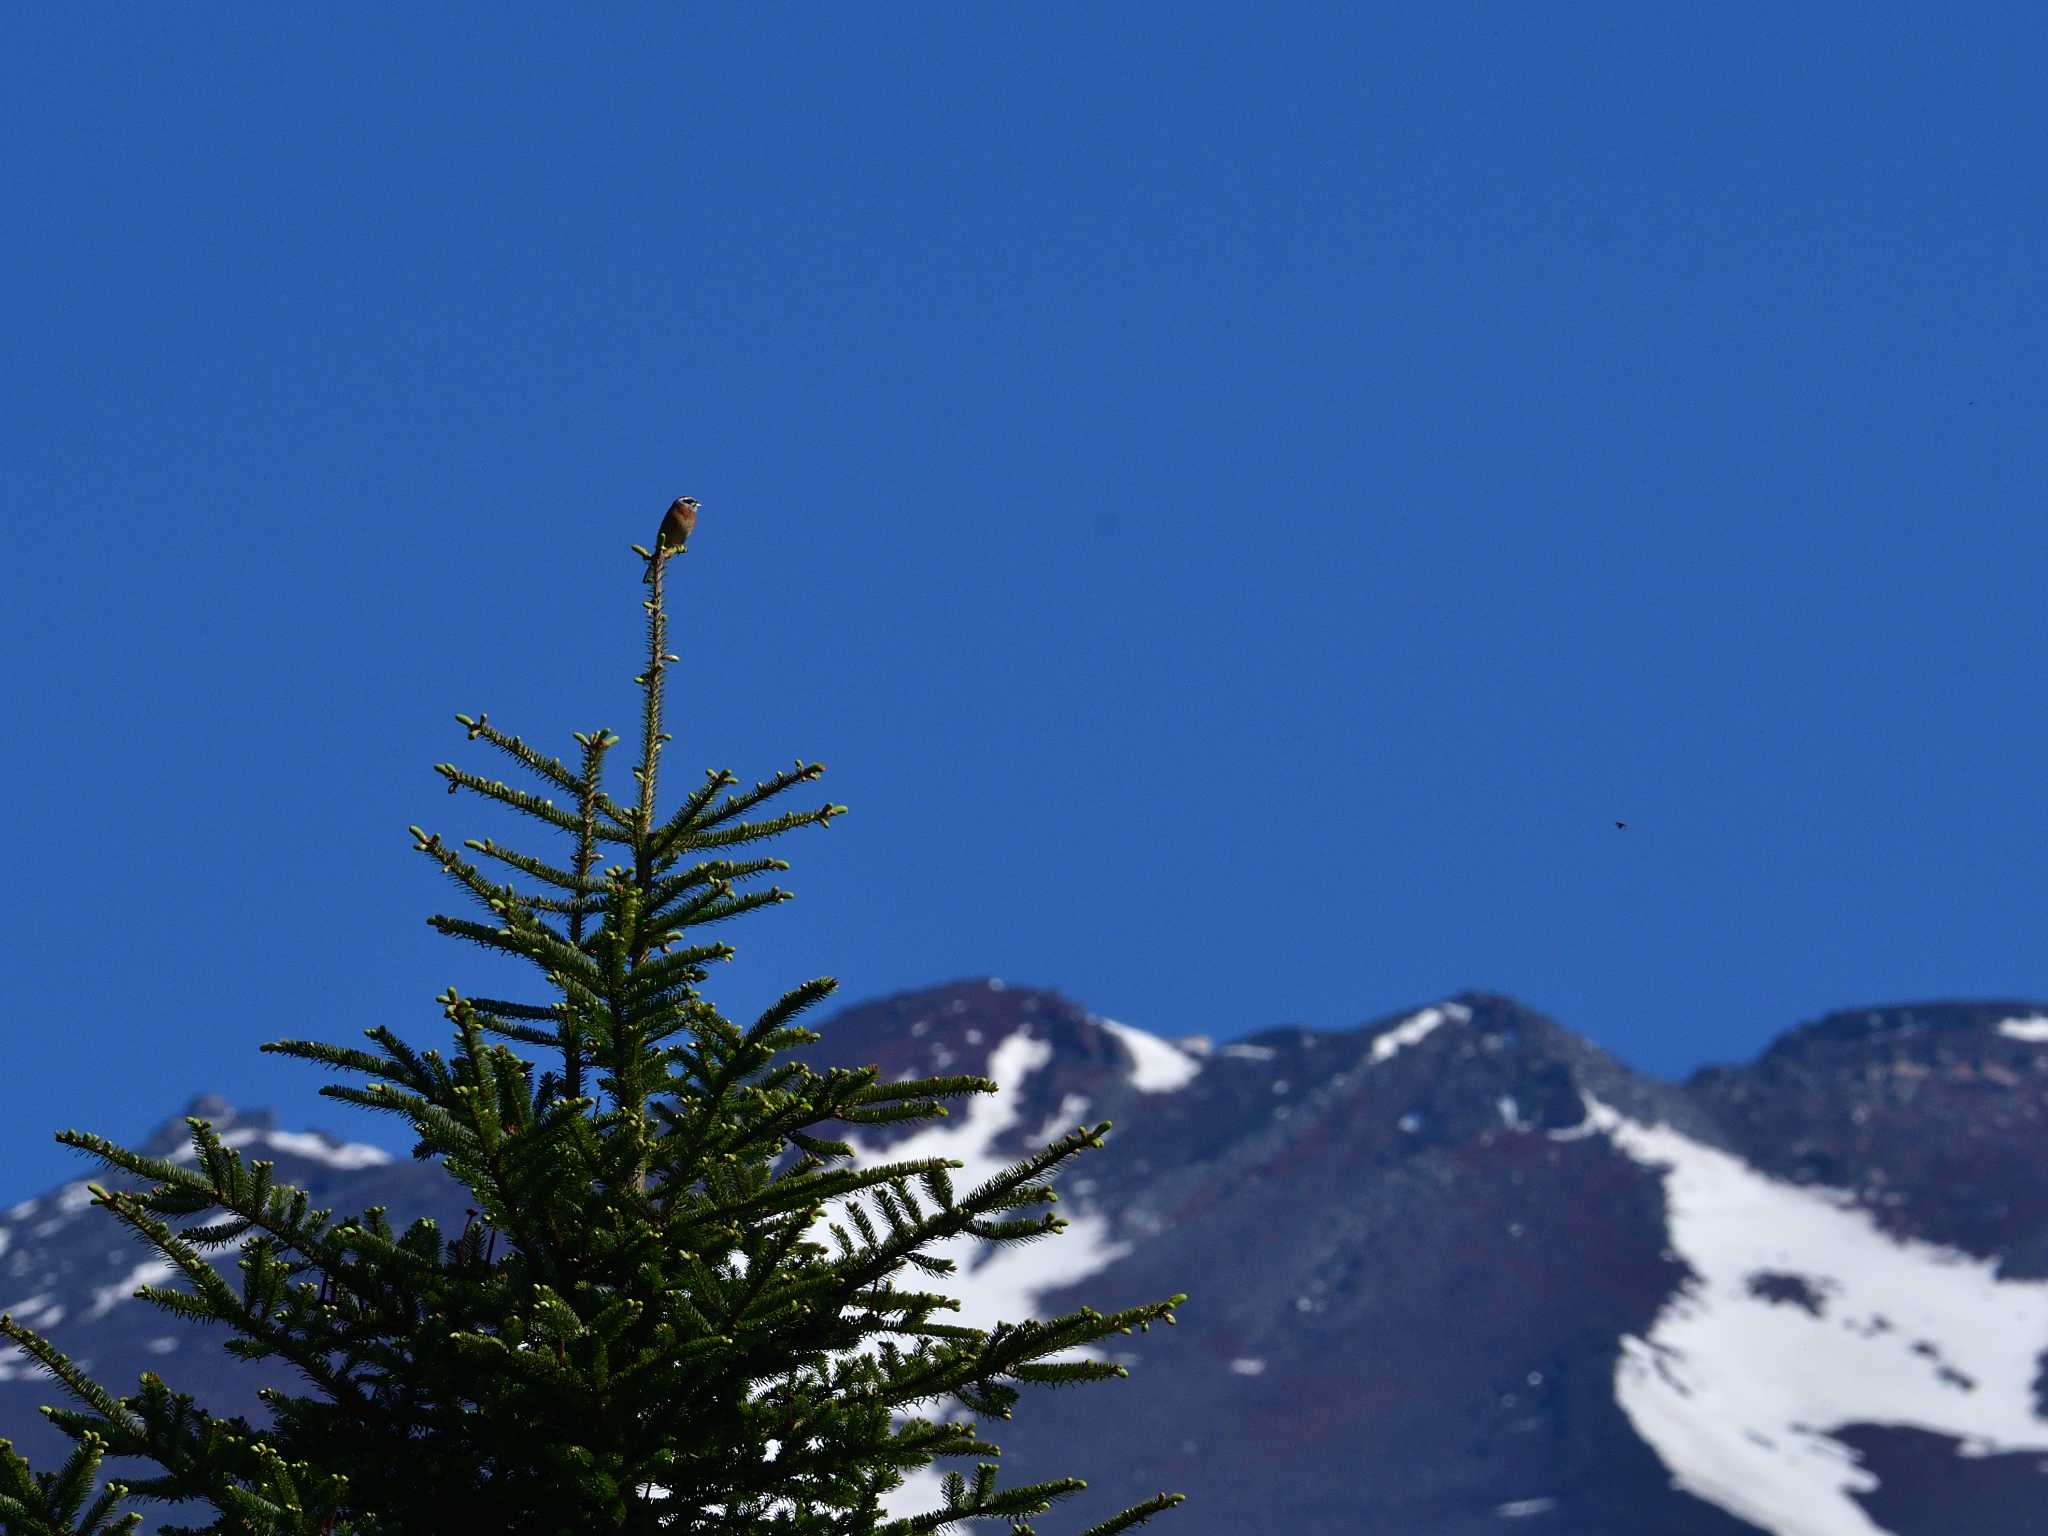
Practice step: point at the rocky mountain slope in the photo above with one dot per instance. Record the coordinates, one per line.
(1452, 1272)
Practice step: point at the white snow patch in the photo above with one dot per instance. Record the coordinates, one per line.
(38, 1312)
(1579, 1132)
(106, 1297)
(1138, 1218)
(1247, 1367)
(348, 1154)
(1062, 1122)
(2033, 1028)
(71, 1199)
(29, 1311)
(1250, 1052)
(306, 1144)
(1156, 1065)
(17, 1364)
(1415, 1028)
(1007, 1279)
(1739, 1395)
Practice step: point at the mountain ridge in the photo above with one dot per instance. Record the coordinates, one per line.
(1456, 1269)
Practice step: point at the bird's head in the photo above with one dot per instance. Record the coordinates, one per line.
(684, 504)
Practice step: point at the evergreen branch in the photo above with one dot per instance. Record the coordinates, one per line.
(523, 1033)
(668, 887)
(428, 1074)
(540, 869)
(489, 895)
(798, 999)
(690, 911)
(441, 1130)
(61, 1366)
(651, 737)
(691, 1145)
(526, 1034)
(1002, 1192)
(715, 779)
(1033, 1499)
(492, 1355)
(505, 900)
(504, 1009)
(573, 907)
(519, 800)
(527, 1147)
(121, 1160)
(47, 1505)
(550, 768)
(586, 1005)
(726, 904)
(546, 1151)
(819, 1148)
(595, 745)
(745, 800)
(469, 1394)
(1136, 1515)
(525, 938)
(375, 1240)
(998, 1192)
(754, 831)
(281, 1213)
(864, 1111)
(477, 933)
(656, 977)
(204, 1457)
(680, 1145)
(225, 1305)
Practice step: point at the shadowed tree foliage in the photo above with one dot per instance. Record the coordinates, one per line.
(663, 1342)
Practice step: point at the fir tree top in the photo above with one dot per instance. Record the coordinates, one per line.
(664, 1343)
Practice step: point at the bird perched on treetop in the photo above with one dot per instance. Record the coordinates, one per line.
(676, 526)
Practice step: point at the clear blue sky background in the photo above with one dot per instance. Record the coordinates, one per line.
(1241, 499)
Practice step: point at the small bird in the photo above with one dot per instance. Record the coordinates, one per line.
(1623, 825)
(676, 526)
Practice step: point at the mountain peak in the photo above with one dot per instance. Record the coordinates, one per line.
(1899, 1022)
(174, 1135)
(1458, 1266)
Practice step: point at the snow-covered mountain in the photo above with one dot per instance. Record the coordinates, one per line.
(1453, 1272)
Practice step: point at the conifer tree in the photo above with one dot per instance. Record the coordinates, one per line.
(661, 1345)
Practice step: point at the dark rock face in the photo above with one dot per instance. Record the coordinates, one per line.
(1933, 1117)
(1924, 1484)
(1453, 1272)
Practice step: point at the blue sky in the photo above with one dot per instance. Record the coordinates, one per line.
(1241, 499)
